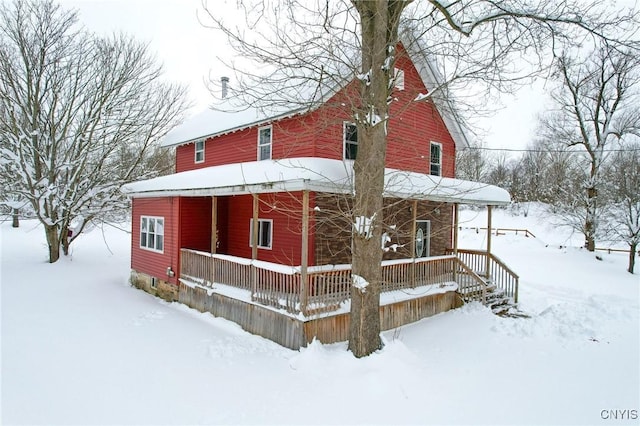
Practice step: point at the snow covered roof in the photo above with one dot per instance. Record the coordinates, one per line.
(230, 117)
(313, 174)
(210, 122)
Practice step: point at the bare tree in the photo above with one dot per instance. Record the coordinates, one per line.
(297, 54)
(596, 107)
(79, 116)
(622, 176)
(472, 164)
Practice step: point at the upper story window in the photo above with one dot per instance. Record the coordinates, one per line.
(264, 143)
(398, 78)
(265, 233)
(199, 148)
(152, 233)
(350, 141)
(436, 159)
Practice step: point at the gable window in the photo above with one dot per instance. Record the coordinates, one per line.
(199, 156)
(264, 143)
(265, 233)
(152, 233)
(398, 78)
(350, 141)
(436, 159)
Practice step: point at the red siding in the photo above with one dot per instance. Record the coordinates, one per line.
(149, 262)
(285, 210)
(412, 127)
(195, 223)
(293, 137)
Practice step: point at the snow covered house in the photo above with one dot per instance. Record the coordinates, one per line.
(254, 226)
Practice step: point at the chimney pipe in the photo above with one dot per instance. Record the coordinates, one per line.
(224, 82)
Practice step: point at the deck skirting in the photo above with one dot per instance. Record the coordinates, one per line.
(295, 333)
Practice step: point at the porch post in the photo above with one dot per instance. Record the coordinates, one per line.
(456, 224)
(214, 224)
(304, 253)
(488, 260)
(254, 244)
(414, 229)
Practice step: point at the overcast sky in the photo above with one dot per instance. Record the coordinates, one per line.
(188, 52)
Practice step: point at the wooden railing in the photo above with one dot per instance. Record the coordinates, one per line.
(502, 231)
(327, 287)
(499, 274)
(614, 250)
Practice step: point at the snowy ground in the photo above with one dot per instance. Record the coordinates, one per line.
(80, 346)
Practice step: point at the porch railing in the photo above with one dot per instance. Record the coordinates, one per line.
(498, 273)
(326, 287)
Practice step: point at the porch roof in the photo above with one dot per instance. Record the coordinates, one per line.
(312, 174)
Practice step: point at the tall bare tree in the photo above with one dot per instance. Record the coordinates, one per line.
(622, 176)
(597, 107)
(78, 116)
(295, 54)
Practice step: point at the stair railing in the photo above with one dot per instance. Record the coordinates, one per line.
(498, 275)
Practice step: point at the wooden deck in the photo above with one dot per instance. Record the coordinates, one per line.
(291, 308)
(295, 332)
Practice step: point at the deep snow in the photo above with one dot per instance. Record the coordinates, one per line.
(80, 346)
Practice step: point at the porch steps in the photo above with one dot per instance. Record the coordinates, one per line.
(495, 298)
(501, 304)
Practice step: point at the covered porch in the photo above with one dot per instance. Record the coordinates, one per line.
(274, 298)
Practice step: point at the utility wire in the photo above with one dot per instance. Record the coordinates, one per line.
(480, 148)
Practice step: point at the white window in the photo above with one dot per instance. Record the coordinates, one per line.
(423, 238)
(199, 148)
(264, 143)
(436, 159)
(398, 78)
(265, 233)
(154, 282)
(350, 141)
(152, 233)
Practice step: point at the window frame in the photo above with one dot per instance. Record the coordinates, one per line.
(155, 219)
(426, 248)
(198, 151)
(261, 145)
(261, 223)
(345, 142)
(439, 163)
(398, 78)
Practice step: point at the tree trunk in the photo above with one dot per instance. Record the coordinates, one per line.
(590, 220)
(53, 241)
(379, 27)
(632, 257)
(64, 242)
(16, 219)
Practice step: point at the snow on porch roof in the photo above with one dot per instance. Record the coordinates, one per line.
(312, 174)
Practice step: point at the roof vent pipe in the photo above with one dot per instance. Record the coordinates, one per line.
(224, 84)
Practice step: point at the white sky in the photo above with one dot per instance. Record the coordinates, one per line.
(189, 51)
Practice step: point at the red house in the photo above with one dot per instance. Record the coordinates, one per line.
(255, 224)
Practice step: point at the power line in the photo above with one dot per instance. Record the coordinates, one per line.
(549, 150)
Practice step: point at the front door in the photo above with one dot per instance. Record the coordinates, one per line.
(423, 238)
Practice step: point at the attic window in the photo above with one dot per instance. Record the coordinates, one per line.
(264, 143)
(436, 159)
(398, 78)
(199, 151)
(350, 136)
